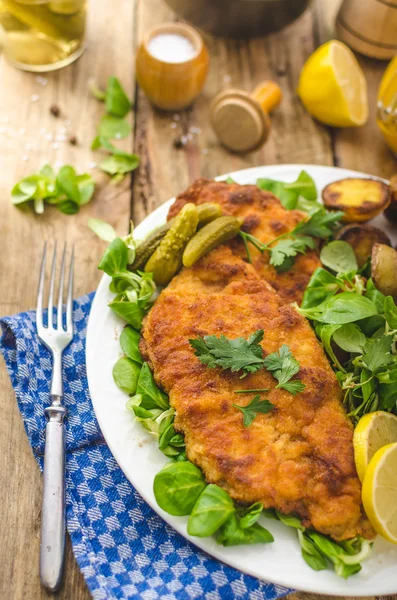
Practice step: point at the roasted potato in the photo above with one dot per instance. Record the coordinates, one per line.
(360, 199)
(361, 238)
(391, 210)
(384, 269)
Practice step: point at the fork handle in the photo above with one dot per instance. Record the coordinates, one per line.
(52, 548)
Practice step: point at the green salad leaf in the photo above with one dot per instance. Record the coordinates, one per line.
(67, 190)
(129, 342)
(233, 534)
(211, 510)
(290, 194)
(126, 374)
(177, 487)
(116, 100)
(339, 257)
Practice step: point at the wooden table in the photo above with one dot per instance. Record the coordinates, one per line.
(28, 137)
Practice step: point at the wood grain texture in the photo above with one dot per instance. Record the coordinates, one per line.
(111, 27)
(164, 171)
(295, 137)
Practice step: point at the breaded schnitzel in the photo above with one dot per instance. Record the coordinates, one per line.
(265, 218)
(299, 457)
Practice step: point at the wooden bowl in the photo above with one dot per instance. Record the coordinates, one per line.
(172, 85)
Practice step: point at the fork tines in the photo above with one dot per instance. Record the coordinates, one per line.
(69, 299)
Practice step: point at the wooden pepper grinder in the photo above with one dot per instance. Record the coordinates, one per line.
(240, 120)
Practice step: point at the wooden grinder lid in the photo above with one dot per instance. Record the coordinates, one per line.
(239, 121)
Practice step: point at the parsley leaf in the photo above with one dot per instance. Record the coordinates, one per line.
(319, 224)
(376, 353)
(283, 365)
(288, 248)
(237, 355)
(255, 407)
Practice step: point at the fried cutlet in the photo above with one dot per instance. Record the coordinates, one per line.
(265, 218)
(299, 457)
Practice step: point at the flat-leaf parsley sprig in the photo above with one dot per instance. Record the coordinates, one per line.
(247, 356)
(298, 241)
(237, 355)
(255, 407)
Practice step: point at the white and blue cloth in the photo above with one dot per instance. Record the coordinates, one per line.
(123, 548)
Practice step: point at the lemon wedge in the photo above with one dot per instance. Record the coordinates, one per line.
(373, 431)
(333, 88)
(380, 492)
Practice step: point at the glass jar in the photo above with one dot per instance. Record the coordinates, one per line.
(386, 115)
(42, 35)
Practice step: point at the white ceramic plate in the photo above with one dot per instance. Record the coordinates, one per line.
(137, 454)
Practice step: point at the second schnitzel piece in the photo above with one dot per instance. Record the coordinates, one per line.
(298, 458)
(265, 218)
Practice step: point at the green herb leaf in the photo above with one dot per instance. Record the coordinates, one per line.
(304, 186)
(177, 487)
(322, 286)
(129, 311)
(390, 310)
(283, 366)
(102, 229)
(152, 396)
(346, 307)
(289, 248)
(119, 164)
(113, 127)
(129, 342)
(68, 191)
(319, 225)
(290, 521)
(288, 198)
(125, 375)
(350, 338)
(251, 515)
(237, 355)
(115, 258)
(339, 257)
(311, 554)
(232, 534)
(212, 509)
(255, 407)
(116, 100)
(96, 91)
(377, 353)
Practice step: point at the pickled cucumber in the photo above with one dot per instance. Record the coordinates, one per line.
(209, 237)
(148, 247)
(208, 212)
(167, 258)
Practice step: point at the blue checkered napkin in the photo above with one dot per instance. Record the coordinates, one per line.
(122, 547)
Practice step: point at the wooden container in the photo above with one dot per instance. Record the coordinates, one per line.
(369, 26)
(172, 85)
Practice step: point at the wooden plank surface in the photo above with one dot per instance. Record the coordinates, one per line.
(164, 171)
(22, 117)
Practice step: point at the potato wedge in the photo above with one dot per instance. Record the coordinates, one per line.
(361, 238)
(360, 199)
(384, 269)
(391, 210)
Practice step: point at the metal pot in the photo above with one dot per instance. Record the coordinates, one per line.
(239, 18)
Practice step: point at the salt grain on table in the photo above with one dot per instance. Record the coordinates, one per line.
(34, 97)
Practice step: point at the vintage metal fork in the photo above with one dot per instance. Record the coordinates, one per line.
(56, 337)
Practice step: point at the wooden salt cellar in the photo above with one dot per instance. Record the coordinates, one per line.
(369, 26)
(241, 120)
